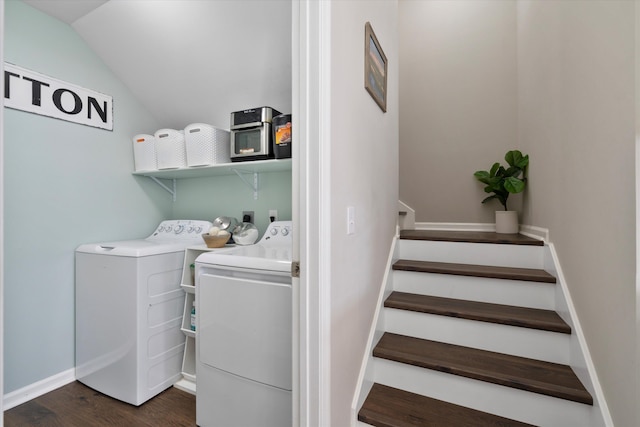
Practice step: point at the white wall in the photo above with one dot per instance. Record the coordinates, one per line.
(457, 103)
(363, 155)
(65, 184)
(576, 89)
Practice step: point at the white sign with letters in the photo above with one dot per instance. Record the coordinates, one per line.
(36, 93)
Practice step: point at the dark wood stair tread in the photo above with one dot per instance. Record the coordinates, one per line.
(391, 407)
(551, 379)
(546, 320)
(512, 273)
(470, 237)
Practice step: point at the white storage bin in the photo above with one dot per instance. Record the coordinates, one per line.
(144, 152)
(170, 149)
(206, 145)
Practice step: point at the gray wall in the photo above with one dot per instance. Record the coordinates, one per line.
(458, 103)
(576, 110)
(556, 80)
(364, 174)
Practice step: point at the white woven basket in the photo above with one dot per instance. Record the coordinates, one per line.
(144, 153)
(170, 149)
(206, 145)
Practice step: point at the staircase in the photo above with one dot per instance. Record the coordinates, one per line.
(469, 336)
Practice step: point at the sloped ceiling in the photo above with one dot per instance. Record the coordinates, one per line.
(190, 61)
(66, 10)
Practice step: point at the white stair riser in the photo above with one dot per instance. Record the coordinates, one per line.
(497, 291)
(533, 408)
(472, 253)
(517, 341)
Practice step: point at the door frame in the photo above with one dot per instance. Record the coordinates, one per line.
(637, 193)
(2, 216)
(311, 41)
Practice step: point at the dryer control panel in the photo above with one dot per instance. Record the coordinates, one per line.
(180, 229)
(278, 233)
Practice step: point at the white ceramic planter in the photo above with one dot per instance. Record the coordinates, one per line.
(507, 222)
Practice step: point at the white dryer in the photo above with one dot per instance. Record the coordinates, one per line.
(129, 308)
(244, 333)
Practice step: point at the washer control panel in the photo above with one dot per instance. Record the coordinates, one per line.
(181, 229)
(278, 232)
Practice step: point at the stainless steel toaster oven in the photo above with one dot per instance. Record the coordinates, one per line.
(251, 134)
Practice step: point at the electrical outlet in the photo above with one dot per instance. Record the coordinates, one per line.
(273, 215)
(247, 216)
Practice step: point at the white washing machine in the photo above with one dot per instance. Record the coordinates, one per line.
(244, 333)
(129, 308)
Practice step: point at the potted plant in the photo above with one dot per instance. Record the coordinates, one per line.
(502, 182)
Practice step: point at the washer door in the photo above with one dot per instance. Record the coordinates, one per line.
(244, 328)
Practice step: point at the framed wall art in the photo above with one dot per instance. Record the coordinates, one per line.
(375, 68)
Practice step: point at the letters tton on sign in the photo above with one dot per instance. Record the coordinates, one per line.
(36, 93)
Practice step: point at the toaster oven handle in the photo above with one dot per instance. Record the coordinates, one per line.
(246, 126)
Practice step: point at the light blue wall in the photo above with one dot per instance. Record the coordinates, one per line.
(208, 198)
(67, 184)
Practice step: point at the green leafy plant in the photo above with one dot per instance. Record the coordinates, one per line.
(503, 182)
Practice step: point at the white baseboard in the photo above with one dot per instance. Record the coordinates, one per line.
(362, 388)
(581, 360)
(20, 396)
(535, 232)
(186, 385)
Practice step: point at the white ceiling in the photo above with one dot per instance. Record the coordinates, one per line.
(189, 61)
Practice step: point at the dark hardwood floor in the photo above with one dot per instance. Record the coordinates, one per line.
(76, 405)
